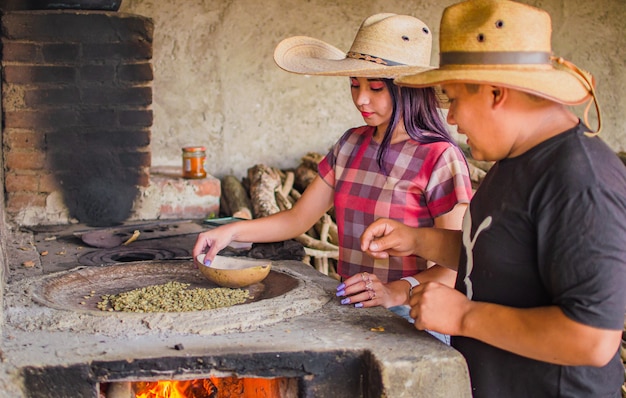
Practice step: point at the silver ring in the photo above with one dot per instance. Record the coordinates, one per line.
(372, 294)
(368, 285)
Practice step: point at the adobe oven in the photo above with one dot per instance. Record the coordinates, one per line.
(76, 134)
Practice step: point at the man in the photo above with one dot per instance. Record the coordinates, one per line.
(539, 304)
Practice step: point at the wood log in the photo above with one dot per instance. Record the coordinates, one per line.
(287, 184)
(236, 199)
(310, 242)
(321, 253)
(327, 229)
(481, 164)
(264, 182)
(307, 170)
(476, 174)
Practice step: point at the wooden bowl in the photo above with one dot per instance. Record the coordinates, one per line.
(234, 272)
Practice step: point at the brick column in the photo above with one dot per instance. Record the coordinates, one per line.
(76, 97)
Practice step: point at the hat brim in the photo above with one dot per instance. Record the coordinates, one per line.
(309, 56)
(544, 81)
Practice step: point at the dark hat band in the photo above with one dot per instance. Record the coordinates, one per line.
(494, 58)
(371, 58)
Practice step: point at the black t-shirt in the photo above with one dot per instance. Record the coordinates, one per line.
(548, 228)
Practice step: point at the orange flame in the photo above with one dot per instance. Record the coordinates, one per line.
(213, 387)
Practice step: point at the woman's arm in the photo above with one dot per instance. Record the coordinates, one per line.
(314, 202)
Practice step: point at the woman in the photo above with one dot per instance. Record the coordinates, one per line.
(402, 164)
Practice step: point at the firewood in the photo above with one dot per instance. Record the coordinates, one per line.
(321, 253)
(287, 184)
(283, 202)
(236, 198)
(264, 182)
(307, 170)
(476, 174)
(327, 229)
(481, 164)
(310, 242)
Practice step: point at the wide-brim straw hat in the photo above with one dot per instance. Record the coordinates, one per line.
(502, 42)
(386, 46)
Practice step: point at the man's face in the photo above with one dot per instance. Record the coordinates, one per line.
(472, 110)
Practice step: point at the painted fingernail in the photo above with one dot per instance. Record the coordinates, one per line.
(341, 287)
(345, 301)
(207, 262)
(341, 293)
(358, 305)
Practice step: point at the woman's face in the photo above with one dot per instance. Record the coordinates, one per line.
(371, 97)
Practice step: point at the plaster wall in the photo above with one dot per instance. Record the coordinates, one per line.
(216, 84)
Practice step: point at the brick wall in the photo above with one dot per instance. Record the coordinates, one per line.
(76, 97)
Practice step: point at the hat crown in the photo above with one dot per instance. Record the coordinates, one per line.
(402, 39)
(495, 26)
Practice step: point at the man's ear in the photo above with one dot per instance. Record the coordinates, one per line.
(498, 95)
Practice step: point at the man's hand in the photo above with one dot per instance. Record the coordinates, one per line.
(438, 307)
(385, 237)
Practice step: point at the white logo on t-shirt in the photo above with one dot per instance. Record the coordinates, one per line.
(469, 243)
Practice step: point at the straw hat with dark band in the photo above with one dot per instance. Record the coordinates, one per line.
(386, 46)
(505, 43)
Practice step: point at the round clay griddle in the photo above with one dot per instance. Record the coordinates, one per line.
(87, 285)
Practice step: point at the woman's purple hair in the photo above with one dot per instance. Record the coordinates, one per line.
(419, 109)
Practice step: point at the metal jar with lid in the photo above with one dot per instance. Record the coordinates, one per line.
(193, 162)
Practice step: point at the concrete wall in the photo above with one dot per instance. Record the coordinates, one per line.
(216, 83)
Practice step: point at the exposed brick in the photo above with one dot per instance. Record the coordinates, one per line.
(23, 139)
(136, 50)
(135, 72)
(22, 160)
(139, 117)
(209, 186)
(20, 51)
(97, 73)
(40, 119)
(136, 160)
(127, 96)
(60, 52)
(98, 117)
(48, 183)
(12, 97)
(53, 96)
(98, 139)
(76, 26)
(28, 74)
(168, 211)
(85, 160)
(143, 179)
(85, 79)
(21, 182)
(17, 201)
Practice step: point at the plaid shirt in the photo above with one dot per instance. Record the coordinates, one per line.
(424, 181)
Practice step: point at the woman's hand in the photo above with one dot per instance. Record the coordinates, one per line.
(212, 241)
(366, 290)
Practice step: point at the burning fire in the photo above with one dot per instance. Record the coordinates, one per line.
(214, 387)
(175, 389)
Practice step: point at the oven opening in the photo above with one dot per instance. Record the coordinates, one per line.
(212, 387)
